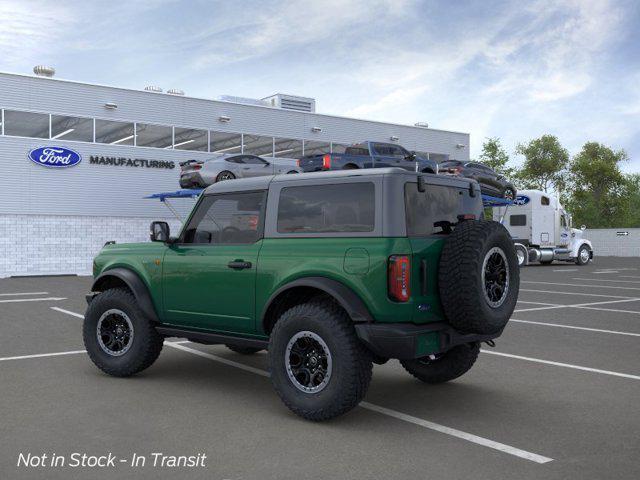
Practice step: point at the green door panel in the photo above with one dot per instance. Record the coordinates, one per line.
(201, 291)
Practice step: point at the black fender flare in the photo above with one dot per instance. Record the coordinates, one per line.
(346, 297)
(135, 284)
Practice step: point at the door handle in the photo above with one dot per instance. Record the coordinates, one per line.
(239, 265)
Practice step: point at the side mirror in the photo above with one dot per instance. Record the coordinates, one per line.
(583, 227)
(267, 164)
(159, 232)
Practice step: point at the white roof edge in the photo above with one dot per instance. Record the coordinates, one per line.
(228, 102)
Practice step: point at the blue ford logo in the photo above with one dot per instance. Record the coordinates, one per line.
(56, 157)
(521, 200)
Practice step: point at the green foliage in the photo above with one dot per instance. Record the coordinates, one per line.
(545, 164)
(496, 157)
(599, 192)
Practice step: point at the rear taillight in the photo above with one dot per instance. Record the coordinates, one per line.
(298, 162)
(456, 170)
(399, 278)
(197, 166)
(326, 161)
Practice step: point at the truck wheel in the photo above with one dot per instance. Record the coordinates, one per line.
(243, 350)
(443, 367)
(584, 255)
(478, 277)
(119, 338)
(523, 255)
(318, 366)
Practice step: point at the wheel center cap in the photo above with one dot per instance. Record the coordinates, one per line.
(313, 361)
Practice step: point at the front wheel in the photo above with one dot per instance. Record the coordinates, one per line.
(119, 338)
(443, 367)
(584, 255)
(318, 366)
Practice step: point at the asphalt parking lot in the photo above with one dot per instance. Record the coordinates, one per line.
(557, 398)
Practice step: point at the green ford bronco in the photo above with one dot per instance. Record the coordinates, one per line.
(330, 272)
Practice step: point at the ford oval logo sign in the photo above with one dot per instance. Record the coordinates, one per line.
(55, 157)
(521, 200)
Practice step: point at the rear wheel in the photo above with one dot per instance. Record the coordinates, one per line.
(119, 338)
(243, 350)
(350, 166)
(225, 175)
(319, 368)
(443, 367)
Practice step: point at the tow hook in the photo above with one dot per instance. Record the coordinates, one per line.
(491, 343)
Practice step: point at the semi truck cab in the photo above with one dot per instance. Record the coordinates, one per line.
(542, 230)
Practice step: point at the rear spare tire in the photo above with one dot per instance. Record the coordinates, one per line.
(479, 277)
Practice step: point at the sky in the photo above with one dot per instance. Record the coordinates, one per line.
(509, 69)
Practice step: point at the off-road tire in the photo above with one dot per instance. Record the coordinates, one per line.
(351, 361)
(145, 345)
(578, 259)
(452, 364)
(463, 293)
(243, 350)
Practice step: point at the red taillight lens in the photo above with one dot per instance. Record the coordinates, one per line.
(326, 161)
(399, 278)
(457, 170)
(298, 162)
(197, 166)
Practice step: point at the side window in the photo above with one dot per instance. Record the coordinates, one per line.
(233, 218)
(235, 159)
(398, 151)
(253, 160)
(563, 221)
(518, 220)
(381, 149)
(345, 207)
(544, 201)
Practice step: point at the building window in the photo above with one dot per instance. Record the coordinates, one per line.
(345, 207)
(190, 139)
(223, 142)
(258, 145)
(287, 148)
(312, 147)
(71, 128)
(157, 136)
(338, 147)
(114, 133)
(26, 124)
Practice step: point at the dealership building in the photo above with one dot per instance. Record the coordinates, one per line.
(114, 146)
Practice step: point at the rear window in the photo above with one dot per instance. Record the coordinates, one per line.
(517, 220)
(427, 212)
(341, 208)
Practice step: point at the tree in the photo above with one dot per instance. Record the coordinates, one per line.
(545, 165)
(600, 192)
(495, 156)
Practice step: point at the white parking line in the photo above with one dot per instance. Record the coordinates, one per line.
(40, 355)
(579, 305)
(629, 276)
(391, 413)
(610, 310)
(567, 270)
(565, 365)
(62, 310)
(23, 293)
(48, 299)
(606, 271)
(573, 327)
(540, 303)
(606, 280)
(576, 293)
(582, 285)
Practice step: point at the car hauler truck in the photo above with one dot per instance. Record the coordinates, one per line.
(541, 230)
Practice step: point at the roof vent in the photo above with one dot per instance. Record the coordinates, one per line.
(422, 124)
(44, 71)
(291, 102)
(153, 88)
(175, 91)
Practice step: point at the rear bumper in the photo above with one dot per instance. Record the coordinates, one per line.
(190, 180)
(406, 340)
